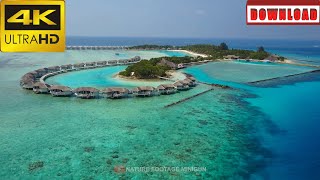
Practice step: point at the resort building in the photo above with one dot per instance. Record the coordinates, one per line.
(231, 57)
(123, 61)
(190, 82)
(27, 83)
(144, 91)
(40, 88)
(102, 63)
(113, 62)
(66, 67)
(167, 89)
(272, 58)
(168, 63)
(90, 64)
(114, 93)
(53, 69)
(86, 92)
(182, 85)
(60, 91)
(79, 66)
(41, 72)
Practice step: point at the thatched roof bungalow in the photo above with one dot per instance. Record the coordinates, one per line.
(27, 82)
(168, 63)
(40, 88)
(190, 82)
(86, 92)
(192, 78)
(182, 85)
(144, 91)
(167, 89)
(41, 72)
(66, 67)
(60, 91)
(102, 63)
(79, 65)
(53, 69)
(113, 62)
(114, 92)
(123, 61)
(231, 57)
(91, 64)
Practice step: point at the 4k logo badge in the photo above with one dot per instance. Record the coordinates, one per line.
(32, 26)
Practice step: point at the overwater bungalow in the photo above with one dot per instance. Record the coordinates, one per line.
(182, 85)
(144, 91)
(86, 92)
(114, 93)
(40, 88)
(66, 67)
(60, 91)
(41, 72)
(123, 61)
(167, 89)
(192, 78)
(113, 62)
(90, 64)
(79, 66)
(190, 82)
(27, 82)
(102, 63)
(53, 69)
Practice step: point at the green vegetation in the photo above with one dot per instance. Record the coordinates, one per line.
(153, 68)
(218, 52)
(223, 46)
(177, 60)
(145, 70)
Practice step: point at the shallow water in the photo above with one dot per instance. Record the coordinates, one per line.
(75, 138)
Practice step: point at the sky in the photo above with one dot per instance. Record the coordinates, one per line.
(173, 18)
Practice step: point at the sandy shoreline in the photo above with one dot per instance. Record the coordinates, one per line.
(174, 76)
(191, 53)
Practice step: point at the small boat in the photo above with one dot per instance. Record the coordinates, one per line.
(117, 54)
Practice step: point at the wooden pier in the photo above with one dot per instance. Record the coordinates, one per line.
(188, 98)
(282, 77)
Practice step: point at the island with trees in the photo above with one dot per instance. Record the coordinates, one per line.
(158, 67)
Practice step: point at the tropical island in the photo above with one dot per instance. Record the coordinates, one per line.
(159, 67)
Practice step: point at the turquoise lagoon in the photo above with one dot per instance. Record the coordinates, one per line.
(233, 133)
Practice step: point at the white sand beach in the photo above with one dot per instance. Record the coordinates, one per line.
(174, 76)
(191, 53)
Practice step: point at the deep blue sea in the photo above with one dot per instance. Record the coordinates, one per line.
(292, 107)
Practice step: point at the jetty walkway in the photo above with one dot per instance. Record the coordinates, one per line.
(188, 98)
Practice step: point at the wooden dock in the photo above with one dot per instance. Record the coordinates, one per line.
(188, 98)
(282, 77)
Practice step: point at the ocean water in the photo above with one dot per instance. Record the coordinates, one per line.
(246, 133)
(292, 108)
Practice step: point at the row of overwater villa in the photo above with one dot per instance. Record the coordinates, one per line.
(97, 47)
(35, 81)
